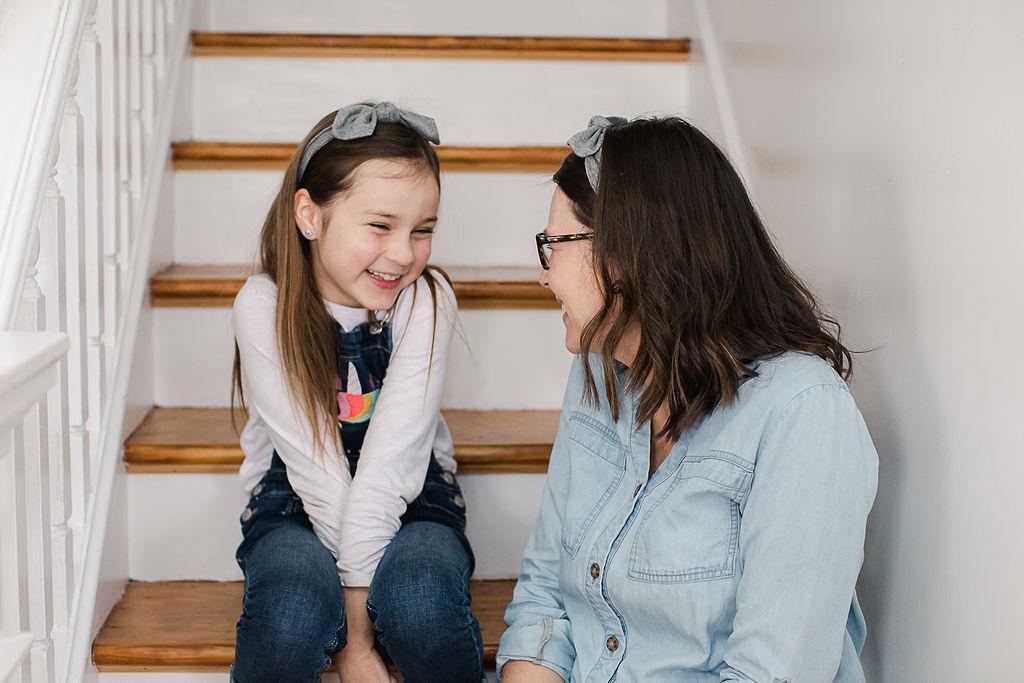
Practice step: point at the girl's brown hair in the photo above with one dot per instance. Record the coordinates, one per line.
(305, 328)
(681, 253)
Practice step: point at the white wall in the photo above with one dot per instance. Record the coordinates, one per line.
(885, 142)
(641, 18)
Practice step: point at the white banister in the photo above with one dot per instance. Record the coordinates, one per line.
(28, 370)
(88, 140)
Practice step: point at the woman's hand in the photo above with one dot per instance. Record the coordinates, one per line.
(521, 671)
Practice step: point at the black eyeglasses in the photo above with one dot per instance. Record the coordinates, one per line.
(544, 242)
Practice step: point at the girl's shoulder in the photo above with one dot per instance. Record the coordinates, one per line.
(430, 292)
(255, 306)
(256, 292)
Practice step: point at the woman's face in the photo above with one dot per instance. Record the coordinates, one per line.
(571, 274)
(375, 239)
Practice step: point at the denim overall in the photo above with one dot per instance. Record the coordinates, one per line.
(363, 359)
(293, 609)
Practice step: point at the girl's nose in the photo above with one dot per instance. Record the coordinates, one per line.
(401, 253)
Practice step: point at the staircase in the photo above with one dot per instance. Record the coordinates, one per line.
(505, 106)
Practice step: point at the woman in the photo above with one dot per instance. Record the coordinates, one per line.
(704, 513)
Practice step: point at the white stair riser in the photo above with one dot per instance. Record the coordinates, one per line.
(177, 677)
(514, 359)
(486, 219)
(474, 102)
(185, 526)
(526, 17)
(196, 677)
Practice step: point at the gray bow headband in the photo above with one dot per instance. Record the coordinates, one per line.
(587, 144)
(360, 120)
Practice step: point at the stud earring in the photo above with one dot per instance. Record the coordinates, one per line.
(308, 232)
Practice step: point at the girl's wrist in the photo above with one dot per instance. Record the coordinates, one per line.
(360, 635)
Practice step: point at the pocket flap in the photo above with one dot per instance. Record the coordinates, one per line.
(596, 438)
(725, 470)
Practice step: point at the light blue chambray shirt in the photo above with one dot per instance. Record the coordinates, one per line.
(736, 561)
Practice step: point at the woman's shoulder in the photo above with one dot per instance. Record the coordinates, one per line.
(786, 376)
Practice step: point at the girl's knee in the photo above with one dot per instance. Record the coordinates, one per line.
(429, 614)
(289, 629)
(284, 647)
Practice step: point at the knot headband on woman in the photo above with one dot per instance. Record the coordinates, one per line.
(360, 120)
(587, 144)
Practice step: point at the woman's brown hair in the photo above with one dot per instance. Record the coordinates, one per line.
(305, 329)
(680, 253)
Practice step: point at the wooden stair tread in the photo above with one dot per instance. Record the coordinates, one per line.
(190, 625)
(208, 44)
(203, 440)
(198, 155)
(188, 285)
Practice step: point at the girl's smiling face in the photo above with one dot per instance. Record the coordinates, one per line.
(373, 240)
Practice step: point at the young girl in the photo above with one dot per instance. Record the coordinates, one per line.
(353, 538)
(705, 508)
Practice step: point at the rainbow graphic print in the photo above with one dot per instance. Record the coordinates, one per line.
(355, 407)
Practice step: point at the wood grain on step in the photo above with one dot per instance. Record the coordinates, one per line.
(203, 440)
(205, 44)
(256, 156)
(190, 625)
(476, 288)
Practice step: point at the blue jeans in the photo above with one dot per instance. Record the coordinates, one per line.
(293, 616)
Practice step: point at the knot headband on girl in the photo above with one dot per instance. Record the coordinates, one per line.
(360, 120)
(587, 144)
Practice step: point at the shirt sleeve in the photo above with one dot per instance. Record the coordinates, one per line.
(538, 626)
(802, 541)
(316, 474)
(395, 454)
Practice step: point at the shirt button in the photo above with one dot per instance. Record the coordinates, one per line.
(612, 643)
(258, 490)
(459, 501)
(448, 478)
(246, 514)
(637, 489)
(595, 571)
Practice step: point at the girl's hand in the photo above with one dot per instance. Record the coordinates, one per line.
(358, 661)
(356, 665)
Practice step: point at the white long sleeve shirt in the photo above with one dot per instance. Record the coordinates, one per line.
(355, 518)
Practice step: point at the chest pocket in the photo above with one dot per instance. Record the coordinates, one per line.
(691, 532)
(598, 464)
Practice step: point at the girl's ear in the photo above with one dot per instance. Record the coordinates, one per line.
(307, 215)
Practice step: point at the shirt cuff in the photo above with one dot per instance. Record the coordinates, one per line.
(546, 642)
(355, 579)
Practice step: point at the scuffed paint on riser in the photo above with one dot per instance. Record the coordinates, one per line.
(195, 677)
(645, 18)
(185, 526)
(474, 102)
